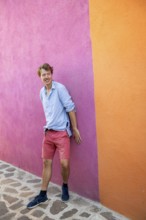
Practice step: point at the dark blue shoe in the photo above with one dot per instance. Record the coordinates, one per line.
(36, 201)
(65, 194)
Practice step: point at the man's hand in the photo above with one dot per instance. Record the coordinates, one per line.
(76, 135)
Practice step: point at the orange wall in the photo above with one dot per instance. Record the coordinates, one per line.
(118, 34)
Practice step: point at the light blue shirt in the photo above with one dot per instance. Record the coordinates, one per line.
(56, 106)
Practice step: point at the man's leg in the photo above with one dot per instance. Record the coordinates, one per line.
(62, 143)
(65, 171)
(46, 174)
(48, 151)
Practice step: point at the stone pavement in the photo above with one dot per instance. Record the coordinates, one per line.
(17, 187)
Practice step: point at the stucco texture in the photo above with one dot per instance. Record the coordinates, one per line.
(119, 59)
(34, 32)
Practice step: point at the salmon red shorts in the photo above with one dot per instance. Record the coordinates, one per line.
(56, 140)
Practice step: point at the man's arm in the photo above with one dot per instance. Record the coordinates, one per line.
(76, 132)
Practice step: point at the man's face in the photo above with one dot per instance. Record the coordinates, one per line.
(46, 77)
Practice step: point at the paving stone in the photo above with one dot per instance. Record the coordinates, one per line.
(94, 209)
(10, 190)
(76, 219)
(108, 216)
(47, 218)
(69, 214)
(80, 202)
(53, 190)
(10, 199)
(7, 181)
(3, 166)
(33, 181)
(24, 184)
(11, 169)
(20, 176)
(24, 218)
(57, 207)
(3, 208)
(16, 206)
(9, 174)
(25, 194)
(37, 185)
(58, 195)
(9, 216)
(85, 214)
(45, 205)
(25, 211)
(16, 184)
(25, 188)
(37, 213)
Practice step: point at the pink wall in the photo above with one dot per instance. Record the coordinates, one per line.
(34, 32)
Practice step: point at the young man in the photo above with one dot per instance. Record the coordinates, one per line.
(59, 111)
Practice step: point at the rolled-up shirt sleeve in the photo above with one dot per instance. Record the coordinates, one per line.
(66, 99)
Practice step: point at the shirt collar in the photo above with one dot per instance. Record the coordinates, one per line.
(53, 87)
